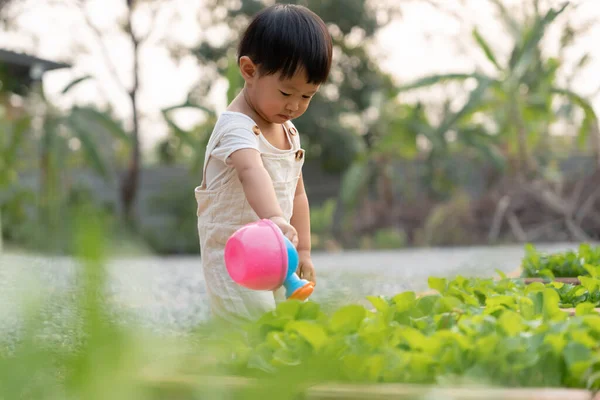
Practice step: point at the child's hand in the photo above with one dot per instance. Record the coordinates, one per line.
(306, 269)
(288, 230)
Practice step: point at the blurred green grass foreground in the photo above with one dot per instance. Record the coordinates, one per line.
(520, 338)
(85, 349)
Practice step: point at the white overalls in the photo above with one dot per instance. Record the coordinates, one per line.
(224, 210)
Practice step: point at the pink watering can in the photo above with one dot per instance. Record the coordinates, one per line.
(258, 256)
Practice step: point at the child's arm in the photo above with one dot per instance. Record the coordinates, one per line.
(301, 221)
(301, 217)
(259, 191)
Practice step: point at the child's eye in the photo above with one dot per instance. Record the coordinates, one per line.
(307, 97)
(285, 94)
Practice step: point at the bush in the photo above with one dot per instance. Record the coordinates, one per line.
(176, 232)
(384, 239)
(450, 224)
(14, 207)
(321, 222)
(389, 239)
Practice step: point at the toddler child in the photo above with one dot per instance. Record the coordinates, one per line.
(253, 164)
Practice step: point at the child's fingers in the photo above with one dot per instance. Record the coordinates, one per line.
(288, 230)
(294, 239)
(308, 274)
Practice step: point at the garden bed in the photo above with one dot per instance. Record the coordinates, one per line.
(510, 338)
(514, 339)
(227, 386)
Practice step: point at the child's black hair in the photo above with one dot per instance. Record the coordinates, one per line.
(286, 38)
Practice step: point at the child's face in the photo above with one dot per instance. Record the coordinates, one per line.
(279, 100)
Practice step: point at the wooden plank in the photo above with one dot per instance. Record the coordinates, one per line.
(189, 386)
(191, 381)
(515, 274)
(232, 384)
(414, 392)
(571, 281)
(428, 292)
(571, 312)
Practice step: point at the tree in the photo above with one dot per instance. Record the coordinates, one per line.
(397, 135)
(61, 142)
(520, 97)
(130, 181)
(186, 146)
(137, 39)
(14, 133)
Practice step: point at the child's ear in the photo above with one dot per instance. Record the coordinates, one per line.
(248, 69)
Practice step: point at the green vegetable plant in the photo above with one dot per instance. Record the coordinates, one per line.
(496, 332)
(568, 264)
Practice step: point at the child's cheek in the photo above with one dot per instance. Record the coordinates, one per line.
(277, 106)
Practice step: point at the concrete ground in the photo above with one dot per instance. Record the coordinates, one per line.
(168, 294)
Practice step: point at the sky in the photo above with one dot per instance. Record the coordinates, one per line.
(424, 40)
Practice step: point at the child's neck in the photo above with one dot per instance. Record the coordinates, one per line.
(242, 104)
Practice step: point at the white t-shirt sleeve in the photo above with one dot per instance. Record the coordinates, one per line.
(233, 140)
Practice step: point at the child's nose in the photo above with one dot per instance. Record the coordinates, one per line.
(292, 106)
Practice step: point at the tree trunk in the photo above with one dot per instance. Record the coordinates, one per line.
(522, 147)
(129, 184)
(522, 154)
(595, 132)
(1, 236)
